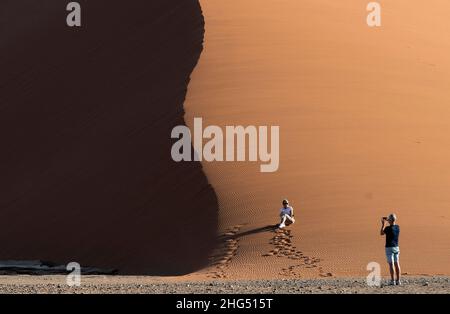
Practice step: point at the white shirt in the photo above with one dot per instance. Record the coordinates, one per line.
(286, 211)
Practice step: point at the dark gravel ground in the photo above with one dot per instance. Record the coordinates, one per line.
(158, 285)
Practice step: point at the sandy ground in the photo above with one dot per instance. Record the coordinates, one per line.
(157, 285)
(365, 128)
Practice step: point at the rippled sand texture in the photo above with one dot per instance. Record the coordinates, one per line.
(365, 130)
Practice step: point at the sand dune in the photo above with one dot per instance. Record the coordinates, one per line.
(365, 129)
(85, 119)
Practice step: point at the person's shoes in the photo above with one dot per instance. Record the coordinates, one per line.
(281, 226)
(398, 283)
(391, 283)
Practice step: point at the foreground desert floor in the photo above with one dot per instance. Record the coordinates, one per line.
(365, 130)
(165, 285)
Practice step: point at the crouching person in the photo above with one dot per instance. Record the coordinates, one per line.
(286, 214)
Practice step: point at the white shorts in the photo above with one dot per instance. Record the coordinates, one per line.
(392, 254)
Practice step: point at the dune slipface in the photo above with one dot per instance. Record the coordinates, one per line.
(85, 119)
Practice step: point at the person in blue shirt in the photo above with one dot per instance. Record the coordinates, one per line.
(392, 233)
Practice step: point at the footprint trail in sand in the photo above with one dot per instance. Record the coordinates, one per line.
(222, 256)
(282, 240)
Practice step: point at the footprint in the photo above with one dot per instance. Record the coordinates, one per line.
(282, 241)
(223, 255)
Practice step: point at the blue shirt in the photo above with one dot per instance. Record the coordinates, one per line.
(392, 233)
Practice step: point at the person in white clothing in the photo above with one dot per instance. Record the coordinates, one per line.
(286, 214)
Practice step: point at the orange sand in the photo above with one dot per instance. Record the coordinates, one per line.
(365, 129)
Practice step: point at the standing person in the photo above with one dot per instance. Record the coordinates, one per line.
(286, 214)
(392, 233)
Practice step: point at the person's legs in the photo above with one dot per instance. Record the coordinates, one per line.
(391, 270)
(396, 260)
(283, 221)
(397, 271)
(291, 219)
(390, 260)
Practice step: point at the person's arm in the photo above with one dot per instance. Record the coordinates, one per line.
(292, 211)
(382, 227)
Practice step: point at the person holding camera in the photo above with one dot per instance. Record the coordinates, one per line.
(392, 233)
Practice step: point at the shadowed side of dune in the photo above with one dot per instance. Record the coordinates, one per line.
(85, 121)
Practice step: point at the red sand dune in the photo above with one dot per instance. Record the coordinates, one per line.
(85, 119)
(365, 130)
(86, 114)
